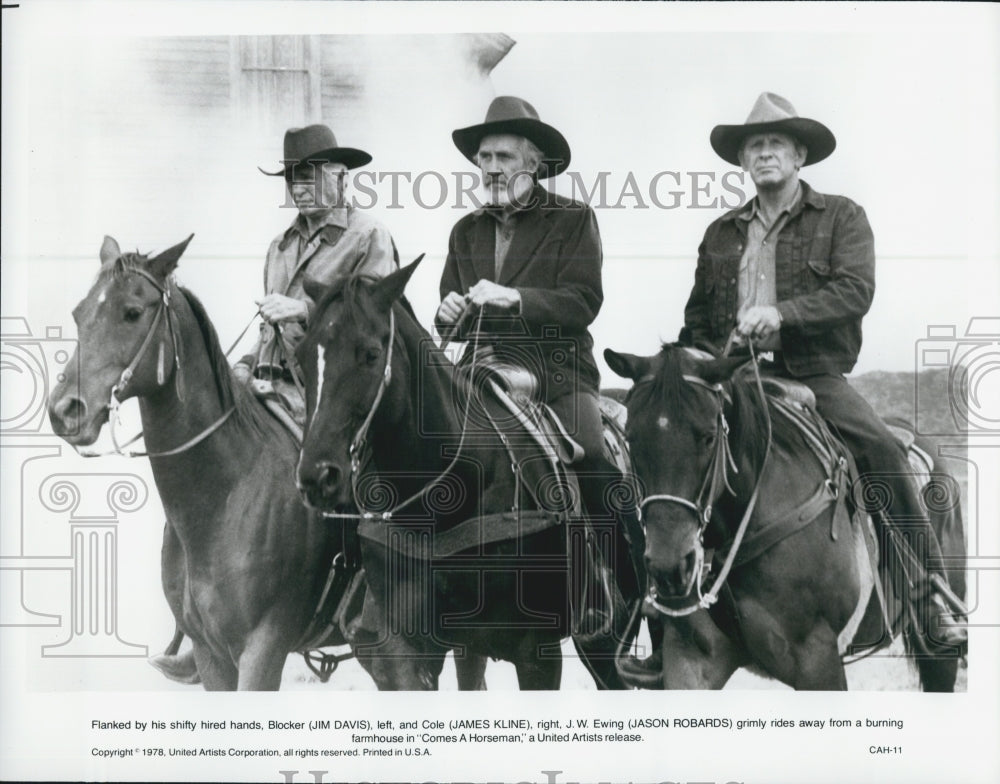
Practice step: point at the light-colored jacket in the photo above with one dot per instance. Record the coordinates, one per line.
(350, 242)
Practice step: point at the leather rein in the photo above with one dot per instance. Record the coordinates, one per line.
(360, 453)
(163, 311)
(716, 480)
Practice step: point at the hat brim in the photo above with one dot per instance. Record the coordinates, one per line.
(351, 157)
(819, 140)
(553, 144)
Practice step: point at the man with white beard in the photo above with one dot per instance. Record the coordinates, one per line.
(531, 260)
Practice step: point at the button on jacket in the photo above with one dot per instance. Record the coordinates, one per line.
(824, 280)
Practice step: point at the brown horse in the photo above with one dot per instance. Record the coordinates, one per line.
(243, 561)
(723, 473)
(463, 549)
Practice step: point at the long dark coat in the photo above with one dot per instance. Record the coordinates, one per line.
(554, 261)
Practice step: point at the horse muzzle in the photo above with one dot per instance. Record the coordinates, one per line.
(324, 486)
(72, 420)
(676, 579)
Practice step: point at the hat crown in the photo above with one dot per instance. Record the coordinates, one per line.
(771, 108)
(509, 107)
(301, 143)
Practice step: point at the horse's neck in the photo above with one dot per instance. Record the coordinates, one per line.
(186, 406)
(416, 444)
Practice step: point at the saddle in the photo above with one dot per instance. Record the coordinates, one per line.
(796, 403)
(517, 390)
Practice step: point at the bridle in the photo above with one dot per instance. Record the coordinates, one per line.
(163, 311)
(360, 453)
(716, 480)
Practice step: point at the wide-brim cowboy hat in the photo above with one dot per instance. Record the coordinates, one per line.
(316, 143)
(510, 115)
(772, 113)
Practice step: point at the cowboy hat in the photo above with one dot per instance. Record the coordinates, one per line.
(773, 113)
(516, 116)
(316, 143)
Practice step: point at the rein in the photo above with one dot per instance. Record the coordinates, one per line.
(359, 442)
(162, 311)
(715, 480)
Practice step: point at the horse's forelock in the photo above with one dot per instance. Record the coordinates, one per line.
(668, 392)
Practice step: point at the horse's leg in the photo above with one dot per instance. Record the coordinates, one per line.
(178, 667)
(598, 653)
(263, 659)
(537, 672)
(217, 674)
(820, 667)
(799, 649)
(400, 664)
(697, 654)
(470, 671)
(598, 656)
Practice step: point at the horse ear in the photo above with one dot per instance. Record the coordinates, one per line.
(627, 365)
(718, 370)
(315, 289)
(162, 265)
(109, 250)
(391, 287)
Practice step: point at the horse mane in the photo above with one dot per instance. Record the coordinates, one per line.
(749, 422)
(232, 394)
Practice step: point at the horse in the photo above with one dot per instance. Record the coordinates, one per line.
(244, 563)
(795, 583)
(396, 432)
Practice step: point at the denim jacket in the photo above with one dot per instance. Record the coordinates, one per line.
(824, 276)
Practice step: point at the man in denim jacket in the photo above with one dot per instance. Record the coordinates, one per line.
(795, 271)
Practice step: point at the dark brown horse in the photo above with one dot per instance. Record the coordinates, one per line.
(457, 550)
(243, 562)
(723, 473)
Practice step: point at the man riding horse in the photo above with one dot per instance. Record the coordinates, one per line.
(794, 270)
(531, 261)
(329, 238)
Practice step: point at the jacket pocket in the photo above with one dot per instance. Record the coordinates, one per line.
(820, 266)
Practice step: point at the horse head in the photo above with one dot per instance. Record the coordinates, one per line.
(126, 344)
(677, 434)
(351, 374)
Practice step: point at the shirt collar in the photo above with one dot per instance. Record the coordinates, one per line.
(333, 226)
(807, 196)
(337, 218)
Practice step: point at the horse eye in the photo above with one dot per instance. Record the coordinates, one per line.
(132, 314)
(371, 356)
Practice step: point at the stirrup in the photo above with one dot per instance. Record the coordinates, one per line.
(941, 586)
